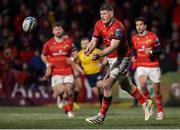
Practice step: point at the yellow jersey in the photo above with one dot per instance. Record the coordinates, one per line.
(89, 66)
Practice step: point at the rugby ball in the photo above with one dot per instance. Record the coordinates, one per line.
(29, 24)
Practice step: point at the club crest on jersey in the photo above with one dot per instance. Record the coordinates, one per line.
(66, 46)
(118, 33)
(148, 41)
(111, 34)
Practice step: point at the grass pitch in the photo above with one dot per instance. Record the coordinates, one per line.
(50, 117)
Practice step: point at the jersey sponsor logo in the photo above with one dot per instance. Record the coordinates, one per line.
(143, 48)
(59, 53)
(118, 33)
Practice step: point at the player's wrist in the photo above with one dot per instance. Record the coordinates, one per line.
(47, 65)
(150, 52)
(101, 54)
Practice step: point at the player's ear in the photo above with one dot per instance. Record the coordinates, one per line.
(111, 13)
(145, 25)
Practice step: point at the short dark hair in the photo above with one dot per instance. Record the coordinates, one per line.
(141, 19)
(57, 25)
(106, 6)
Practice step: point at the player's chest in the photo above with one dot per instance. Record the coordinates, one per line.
(144, 42)
(107, 31)
(85, 59)
(60, 48)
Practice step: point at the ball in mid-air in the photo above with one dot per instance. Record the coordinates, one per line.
(29, 24)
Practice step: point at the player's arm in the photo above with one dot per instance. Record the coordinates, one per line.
(80, 69)
(91, 45)
(134, 50)
(156, 49)
(113, 46)
(48, 66)
(45, 60)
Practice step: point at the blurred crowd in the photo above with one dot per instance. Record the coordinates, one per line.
(20, 51)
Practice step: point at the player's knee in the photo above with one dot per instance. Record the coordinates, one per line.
(100, 84)
(59, 90)
(142, 81)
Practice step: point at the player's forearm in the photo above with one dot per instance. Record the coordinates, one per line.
(106, 51)
(114, 45)
(156, 50)
(44, 59)
(78, 67)
(92, 44)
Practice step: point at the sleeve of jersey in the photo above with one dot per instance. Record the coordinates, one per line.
(96, 30)
(157, 46)
(118, 34)
(132, 42)
(45, 49)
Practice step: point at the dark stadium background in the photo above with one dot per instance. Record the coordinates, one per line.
(20, 64)
(27, 102)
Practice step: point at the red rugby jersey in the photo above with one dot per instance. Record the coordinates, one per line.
(57, 54)
(115, 31)
(140, 44)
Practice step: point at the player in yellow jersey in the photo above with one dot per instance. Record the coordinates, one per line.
(92, 68)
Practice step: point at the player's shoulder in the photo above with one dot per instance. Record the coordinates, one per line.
(68, 40)
(50, 41)
(134, 36)
(99, 22)
(152, 34)
(81, 52)
(118, 23)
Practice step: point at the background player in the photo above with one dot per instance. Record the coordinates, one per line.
(55, 54)
(114, 38)
(147, 47)
(92, 69)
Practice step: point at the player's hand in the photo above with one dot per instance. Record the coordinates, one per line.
(95, 56)
(87, 51)
(149, 51)
(133, 59)
(69, 61)
(48, 71)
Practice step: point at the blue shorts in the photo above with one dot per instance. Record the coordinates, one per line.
(93, 78)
